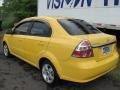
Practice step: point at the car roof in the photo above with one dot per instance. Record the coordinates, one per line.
(45, 17)
(41, 18)
(48, 18)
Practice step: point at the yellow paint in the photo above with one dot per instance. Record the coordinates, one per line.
(58, 49)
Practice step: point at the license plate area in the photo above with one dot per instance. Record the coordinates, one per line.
(106, 50)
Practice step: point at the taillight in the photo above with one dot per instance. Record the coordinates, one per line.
(83, 50)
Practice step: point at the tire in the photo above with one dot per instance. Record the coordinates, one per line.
(6, 50)
(49, 74)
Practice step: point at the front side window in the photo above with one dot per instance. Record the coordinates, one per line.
(77, 27)
(41, 29)
(22, 28)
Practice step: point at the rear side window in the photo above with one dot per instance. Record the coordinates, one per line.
(22, 28)
(41, 29)
(77, 27)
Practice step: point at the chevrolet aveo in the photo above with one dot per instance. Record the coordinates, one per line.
(62, 48)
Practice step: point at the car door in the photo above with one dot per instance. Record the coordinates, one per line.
(36, 44)
(18, 37)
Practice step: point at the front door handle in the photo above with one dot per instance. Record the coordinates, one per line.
(41, 43)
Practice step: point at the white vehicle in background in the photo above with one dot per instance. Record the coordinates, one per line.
(101, 13)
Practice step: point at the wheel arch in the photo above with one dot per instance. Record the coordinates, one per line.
(54, 62)
(4, 42)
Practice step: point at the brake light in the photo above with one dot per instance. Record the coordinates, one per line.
(83, 50)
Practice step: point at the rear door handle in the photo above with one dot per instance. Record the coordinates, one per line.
(41, 43)
(20, 40)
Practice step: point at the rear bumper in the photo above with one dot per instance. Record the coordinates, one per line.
(85, 71)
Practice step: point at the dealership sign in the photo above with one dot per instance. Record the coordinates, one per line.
(57, 4)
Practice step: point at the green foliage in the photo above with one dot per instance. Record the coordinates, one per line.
(15, 10)
(8, 22)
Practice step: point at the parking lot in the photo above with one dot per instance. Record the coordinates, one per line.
(18, 75)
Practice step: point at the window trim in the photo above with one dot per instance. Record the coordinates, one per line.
(29, 27)
(41, 21)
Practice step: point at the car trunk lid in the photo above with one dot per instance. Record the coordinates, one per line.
(103, 45)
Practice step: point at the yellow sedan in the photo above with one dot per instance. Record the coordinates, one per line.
(62, 48)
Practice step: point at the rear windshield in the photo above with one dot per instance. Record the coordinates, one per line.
(77, 27)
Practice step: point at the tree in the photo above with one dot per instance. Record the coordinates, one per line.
(15, 10)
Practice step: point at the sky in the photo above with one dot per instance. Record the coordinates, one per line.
(1, 1)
